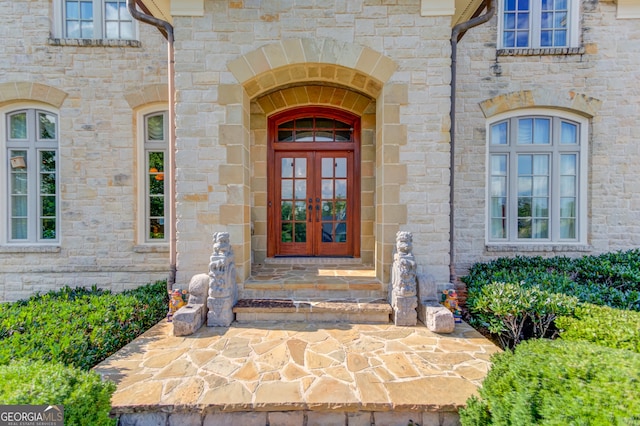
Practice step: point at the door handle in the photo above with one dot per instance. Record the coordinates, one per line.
(310, 211)
(318, 212)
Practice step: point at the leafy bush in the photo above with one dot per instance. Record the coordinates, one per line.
(78, 327)
(558, 382)
(86, 399)
(611, 279)
(603, 326)
(514, 312)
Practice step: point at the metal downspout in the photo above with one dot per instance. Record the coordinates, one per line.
(168, 29)
(455, 35)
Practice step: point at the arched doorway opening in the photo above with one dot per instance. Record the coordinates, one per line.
(313, 183)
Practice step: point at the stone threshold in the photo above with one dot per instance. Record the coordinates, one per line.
(295, 260)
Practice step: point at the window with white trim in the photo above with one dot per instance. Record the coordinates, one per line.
(537, 179)
(31, 173)
(536, 24)
(94, 19)
(156, 143)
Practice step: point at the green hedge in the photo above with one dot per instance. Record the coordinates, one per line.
(86, 399)
(555, 382)
(603, 326)
(611, 279)
(78, 327)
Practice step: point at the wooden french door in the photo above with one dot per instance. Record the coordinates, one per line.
(314, 195)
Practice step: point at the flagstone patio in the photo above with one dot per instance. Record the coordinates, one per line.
(297, 374)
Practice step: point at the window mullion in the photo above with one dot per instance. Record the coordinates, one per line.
(98, 20)
(535, 23)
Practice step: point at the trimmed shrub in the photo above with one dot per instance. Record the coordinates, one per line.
(78, 327)
(602, 325)
(86, 399)
(611, 279)
(514, 312)
(554, 382)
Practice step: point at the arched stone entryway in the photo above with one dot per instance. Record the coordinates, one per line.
(303, 72)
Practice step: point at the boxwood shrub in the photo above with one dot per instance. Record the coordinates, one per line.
(602, 325)
(86, 399)
(556, 382)
(78, 327)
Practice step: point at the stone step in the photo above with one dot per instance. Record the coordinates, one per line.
(372, 311)
(314, 291)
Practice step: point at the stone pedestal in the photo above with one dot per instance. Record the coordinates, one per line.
(403, 282)
(404, 311)
(223, 291)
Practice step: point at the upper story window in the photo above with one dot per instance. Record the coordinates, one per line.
(537, 179)
(95, 19)
(31, 172)
(535, 24)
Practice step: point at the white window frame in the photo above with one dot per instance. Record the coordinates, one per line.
(59, 22)
(143, 147)
(573, 32)
(554, 151)
(33, 146)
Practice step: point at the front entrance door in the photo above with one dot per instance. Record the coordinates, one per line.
(314, 185)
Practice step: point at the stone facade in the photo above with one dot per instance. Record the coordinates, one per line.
(237, 63)
(598, 81)
(96, 89)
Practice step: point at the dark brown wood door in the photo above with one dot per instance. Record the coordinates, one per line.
(314, 196)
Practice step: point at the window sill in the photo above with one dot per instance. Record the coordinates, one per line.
(537, 248)
(29, 249)
(151, 248)
(85, 42)
(542, 51)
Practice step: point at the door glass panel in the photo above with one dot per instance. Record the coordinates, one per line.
(287, 234)
(341, 189)
(301, 189)
(286, 208)
(327, 210)
(341, 210)
(327, 232)
(327, 167)
(341, 167)
(301, 232)
(327, 188)
(301, 210)
(287, 168)
(301, 167)
(341, 232)
(287, 189)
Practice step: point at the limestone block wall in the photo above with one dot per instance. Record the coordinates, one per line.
(96, 90)
(384, 50)
(599, 81)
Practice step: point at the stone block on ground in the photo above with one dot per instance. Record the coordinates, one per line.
(188, 319)
(436, 317)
